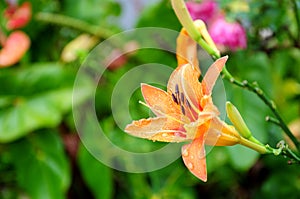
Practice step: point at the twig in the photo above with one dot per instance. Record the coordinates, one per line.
(295, 8)
(272, 120)
(67, 21)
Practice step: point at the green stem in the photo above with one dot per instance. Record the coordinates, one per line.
(215, 55)
(297, 16)
(291, 154)
(187, 22)
(257, 90)
(80, 25)
(185, 19)
(284, 150)
(255, 146)
(273, 120)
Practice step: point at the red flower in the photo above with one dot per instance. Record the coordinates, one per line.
(17, 17)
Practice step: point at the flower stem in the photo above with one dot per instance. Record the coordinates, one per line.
(67, 21)
(291, 154)
(255, 146)
(297, 16)
(284, 150)
(254, 87)
(266, 149)
(187, 22)
(273, 120)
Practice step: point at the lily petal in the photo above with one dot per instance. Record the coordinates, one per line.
(159, 101)
(186, 51)
(200, 126)
(212, 74)
(221, 134)
(193, 156)
(155, 129)
(185, 85)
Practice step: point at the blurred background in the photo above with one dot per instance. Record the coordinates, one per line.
(44, 43)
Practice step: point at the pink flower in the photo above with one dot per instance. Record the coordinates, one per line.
(14, 48)
(204, 11)
(228, 34)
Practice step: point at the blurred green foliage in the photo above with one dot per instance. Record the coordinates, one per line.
(41, 155)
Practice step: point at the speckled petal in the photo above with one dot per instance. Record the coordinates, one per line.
(186, 51)
(155, 129)
(159, 101)
(193, 155)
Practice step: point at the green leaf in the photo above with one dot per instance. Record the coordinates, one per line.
(97, 176)
(152, 17)
(41, 165)
(35, 79)
(254, 67)
(283, 183)
(93, 11)
(241, 157)
(216, 157)
(40, 96)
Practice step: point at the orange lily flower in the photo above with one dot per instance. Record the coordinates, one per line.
(186, 113)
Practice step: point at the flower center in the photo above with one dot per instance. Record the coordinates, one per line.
(185, 106)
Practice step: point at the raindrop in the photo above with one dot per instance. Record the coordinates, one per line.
(185, 152)
(190, 165)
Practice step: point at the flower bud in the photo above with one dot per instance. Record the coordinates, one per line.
(237, 120)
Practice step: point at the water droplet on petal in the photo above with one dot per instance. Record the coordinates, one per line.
(192, 157)
(164, 135)
(185, 152)
(190, 166)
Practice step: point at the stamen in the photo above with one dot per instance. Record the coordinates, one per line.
(160, 112)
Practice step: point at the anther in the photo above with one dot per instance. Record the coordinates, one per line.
(188, 104)
(182, 97)
(174, 98)
(176, 89)
(182, 110)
